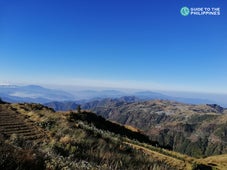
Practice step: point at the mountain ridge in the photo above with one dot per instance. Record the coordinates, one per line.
(171, 123)
(39, 94)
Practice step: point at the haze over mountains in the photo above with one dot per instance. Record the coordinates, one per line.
(38, 94)
(32, 93)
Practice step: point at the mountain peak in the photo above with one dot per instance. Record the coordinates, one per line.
(33, 87)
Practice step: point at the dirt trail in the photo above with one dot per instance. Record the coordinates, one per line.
(179, 164)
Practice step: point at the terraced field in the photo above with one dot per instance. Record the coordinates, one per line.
(12, 122)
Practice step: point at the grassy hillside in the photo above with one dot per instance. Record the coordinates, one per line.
(72, 140)
(82, 140)
(195, 130)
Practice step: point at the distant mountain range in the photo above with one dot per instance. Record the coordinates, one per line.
(32, 93)
(38, 94)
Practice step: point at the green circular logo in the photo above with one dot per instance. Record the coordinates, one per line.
(185, 11)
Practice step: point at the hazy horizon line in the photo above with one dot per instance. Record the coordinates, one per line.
(76, 87)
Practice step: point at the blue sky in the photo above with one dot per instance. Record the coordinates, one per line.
(143, 44)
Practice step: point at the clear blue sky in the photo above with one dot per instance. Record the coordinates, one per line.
(115, 43)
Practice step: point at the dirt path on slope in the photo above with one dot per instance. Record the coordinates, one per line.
(174, 162)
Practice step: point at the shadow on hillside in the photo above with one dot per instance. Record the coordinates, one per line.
(101, 123)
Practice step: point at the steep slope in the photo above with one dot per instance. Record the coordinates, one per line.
(83, 140)
(74, 141)
(197, 130)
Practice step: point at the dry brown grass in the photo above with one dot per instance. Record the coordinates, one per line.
(219, 161)
(182, 161)
(131, 128)
(171, 158)
(66, 139)
(173, 162)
